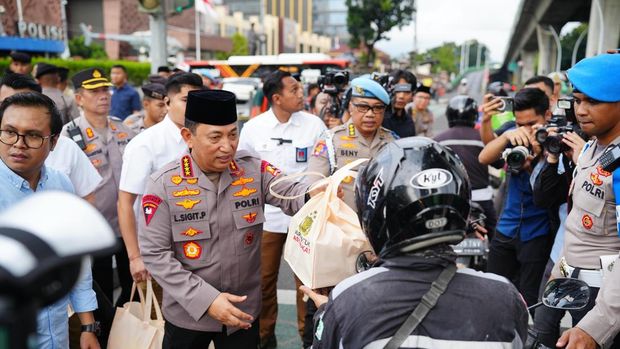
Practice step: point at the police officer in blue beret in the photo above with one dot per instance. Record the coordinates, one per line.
(359, 137)
(592, 243)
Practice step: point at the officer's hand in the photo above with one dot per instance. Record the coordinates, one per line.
(480, 231)
(88, 340)
(489, 107)
(318, 299)
(333, 122)
(575, 143)
(138, 270)
(576, 338)
(225, 312)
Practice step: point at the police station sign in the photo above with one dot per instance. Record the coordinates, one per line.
(40, 31)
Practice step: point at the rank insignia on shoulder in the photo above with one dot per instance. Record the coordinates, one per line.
(243, 181)
(90, 133)
(250, 217)
(150, 203)
(176, 179)
(192, 250)
(351, 130)
(319, 149)
(187, 168)
(191, 232)
(587, 222)
(187, 203)
(301, 154)
(267, 167)
(185, 192)
(245, 191)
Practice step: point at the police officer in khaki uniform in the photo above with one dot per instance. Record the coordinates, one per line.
(592, 242)
(200, 234)
(103, 139)
(360, 137)
(153, 108)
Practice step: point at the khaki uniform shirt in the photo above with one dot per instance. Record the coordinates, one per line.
(135, 122)
(423, 121)
(591, 232)
(66, 105)
(198, 238)
(346, 145)
(106, 154)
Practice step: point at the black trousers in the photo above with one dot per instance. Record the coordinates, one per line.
(181, 338)
(103, 274)
(521, 262)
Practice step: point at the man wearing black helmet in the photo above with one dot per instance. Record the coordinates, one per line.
(464, 140)
(413, 200)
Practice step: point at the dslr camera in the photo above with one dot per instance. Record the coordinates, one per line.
(334, 82)
(553, 144)
(515, 157)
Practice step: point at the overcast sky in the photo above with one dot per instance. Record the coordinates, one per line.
(488, 21)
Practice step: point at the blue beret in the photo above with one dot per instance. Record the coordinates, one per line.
(598, 77)
(367, 88)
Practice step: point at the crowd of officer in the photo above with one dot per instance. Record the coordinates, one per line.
(186, 188)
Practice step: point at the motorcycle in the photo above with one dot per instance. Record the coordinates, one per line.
(473, 251)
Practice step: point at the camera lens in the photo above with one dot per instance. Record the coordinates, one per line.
(554, 144)
(542, 135)
(517, 156)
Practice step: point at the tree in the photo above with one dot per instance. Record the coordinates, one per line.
(368, 21)
(240, 47)
(78, 48)
(445, 57)
(568, 42)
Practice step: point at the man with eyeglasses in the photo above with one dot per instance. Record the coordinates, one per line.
(360, 137)
(103, 139)
(29, 128)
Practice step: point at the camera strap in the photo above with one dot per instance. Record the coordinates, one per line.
(428, 302)
(331, 152)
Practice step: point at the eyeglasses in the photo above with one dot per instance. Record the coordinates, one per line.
(32, 141)
(364, 108)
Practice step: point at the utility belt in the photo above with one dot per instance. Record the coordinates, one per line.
(592, 277)
(483, 194)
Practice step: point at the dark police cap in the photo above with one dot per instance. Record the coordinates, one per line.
(90, 79)
(163, 68)
(424, 89)
(20, 57)
(212, 107)
(154, 90)
(156, 79)
(44, 68)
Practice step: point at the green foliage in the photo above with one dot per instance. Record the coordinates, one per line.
(368, 21)
(240, 47)
(568, 42)
(445, 57)
(78, 48)
(137, 72)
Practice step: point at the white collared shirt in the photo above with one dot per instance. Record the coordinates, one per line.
(270, 138)
(148, 152)
(69, 159)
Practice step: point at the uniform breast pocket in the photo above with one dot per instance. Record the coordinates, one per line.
(192, 243)
(589, 203)
(265, 148)
(249, 226)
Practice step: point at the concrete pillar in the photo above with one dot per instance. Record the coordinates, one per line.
(547, 53)
(606, 32)
(528, 60)
(112, 25)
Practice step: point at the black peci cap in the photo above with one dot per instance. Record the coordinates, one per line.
(212, 107)
(154, 90)
(20, 57)
(44, 68)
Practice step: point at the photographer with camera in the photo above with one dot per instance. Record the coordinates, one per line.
(520, 248)
(592, 241)
(321, 106)
(397, 118)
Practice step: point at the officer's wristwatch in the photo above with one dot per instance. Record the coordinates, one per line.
(95, 328)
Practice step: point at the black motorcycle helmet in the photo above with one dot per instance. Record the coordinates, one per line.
(462, 111)
(414, 193)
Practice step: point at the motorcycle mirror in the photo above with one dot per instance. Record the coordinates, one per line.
(566, 294)
(364, 261)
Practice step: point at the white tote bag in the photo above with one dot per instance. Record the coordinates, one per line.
(133, 327)
(324, 237)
